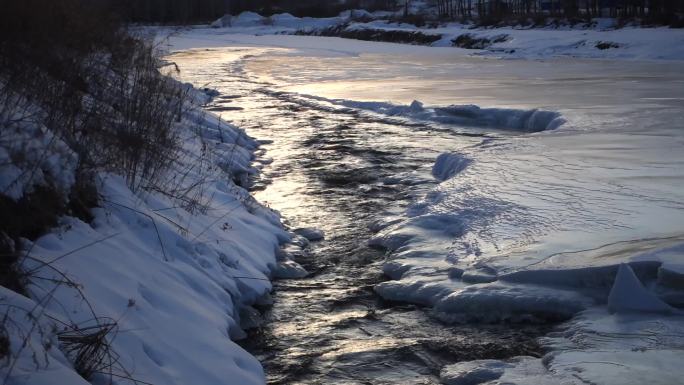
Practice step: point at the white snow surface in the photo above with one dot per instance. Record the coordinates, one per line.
(175, 282)
(448, 165)
(30, 155)
(633, 43)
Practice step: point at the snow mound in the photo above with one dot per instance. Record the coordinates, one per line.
(299, 241)
(389, 240)
(44, 159)
(395, 269)
(532, 120)
(246, 19)
(595, 277)
(310, 234)
(284, 18)
(223, 21)
(449, 164)
(503, 118)
(629, 295)
(450, 224)
(496, 302)
(417, 291)
(478, 275)
(251, 23)
(289, 270)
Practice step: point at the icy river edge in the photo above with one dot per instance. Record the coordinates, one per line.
(575, 348)
(596, 345)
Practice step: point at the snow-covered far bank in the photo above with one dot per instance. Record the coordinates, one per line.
(600, 41)
(169, 285)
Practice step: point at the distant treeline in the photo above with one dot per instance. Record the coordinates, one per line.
(656, 11)
(172, 11)
(187, 11)
(484, 11)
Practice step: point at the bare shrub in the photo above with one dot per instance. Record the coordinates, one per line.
(89, 347)
(72, 76)
(97, 87)
(88, 344)
(138, 136)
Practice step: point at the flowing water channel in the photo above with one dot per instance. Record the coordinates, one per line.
(348, 172)
(340, 170)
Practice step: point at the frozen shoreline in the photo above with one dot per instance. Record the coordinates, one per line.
(174, 285)
(476, 280)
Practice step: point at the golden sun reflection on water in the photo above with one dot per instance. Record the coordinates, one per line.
(323, 321)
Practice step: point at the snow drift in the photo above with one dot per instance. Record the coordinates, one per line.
(176, 283)
(506, 119)
(448, 165)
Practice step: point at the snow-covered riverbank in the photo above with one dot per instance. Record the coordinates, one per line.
(166, 284)
(521, 228)
(540, 190)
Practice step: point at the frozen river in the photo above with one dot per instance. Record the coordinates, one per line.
(444, 198)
